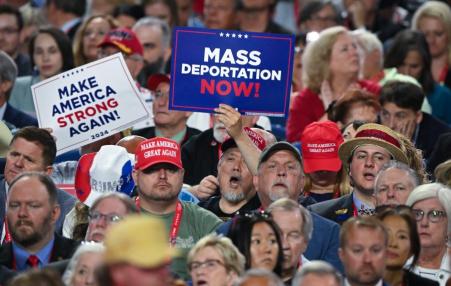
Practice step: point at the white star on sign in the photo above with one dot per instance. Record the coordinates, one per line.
(227, 35)
(233, 35)
(239, 36)
(245, 36)
(221, 34)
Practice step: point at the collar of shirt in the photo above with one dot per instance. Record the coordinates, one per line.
(21, 255)
(69, 24)
(359, 205)
(177, 137)
(2, 110)
(379, 283)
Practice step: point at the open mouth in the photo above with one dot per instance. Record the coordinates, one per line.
(201, 282)
(369, 176)
(235, 181)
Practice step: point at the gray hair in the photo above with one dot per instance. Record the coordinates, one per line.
(369, 42)
(85, 247)
(274, 280)
(319, 268)
(433, 190)
(155, 22)
(126, 200)
(290, 205)
(8, 70)
(393, 164)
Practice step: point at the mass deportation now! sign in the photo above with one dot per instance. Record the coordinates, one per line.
(249, 71)
(88, 103)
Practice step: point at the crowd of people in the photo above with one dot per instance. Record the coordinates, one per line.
(354, 188)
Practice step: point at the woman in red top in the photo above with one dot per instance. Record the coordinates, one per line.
(330, 68)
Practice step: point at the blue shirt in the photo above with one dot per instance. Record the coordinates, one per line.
(21, 255)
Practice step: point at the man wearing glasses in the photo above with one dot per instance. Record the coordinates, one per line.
(168, 123)
(11, 24)
(105, 211)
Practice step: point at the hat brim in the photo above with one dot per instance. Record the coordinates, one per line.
(279, 146)
(150, 164)
(315, 165)
(346, 149)
(108, 42)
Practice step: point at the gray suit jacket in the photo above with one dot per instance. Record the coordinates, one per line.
(65, 201)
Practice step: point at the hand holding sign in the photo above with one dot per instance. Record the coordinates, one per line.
(88, 103)
(231, 119)
(241, 69)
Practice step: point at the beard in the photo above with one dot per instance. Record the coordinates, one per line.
(220, 135)
(233, 197)
(27, 239)
(150, 69)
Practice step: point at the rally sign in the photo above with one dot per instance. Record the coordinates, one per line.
(89, 102)
(249, 71)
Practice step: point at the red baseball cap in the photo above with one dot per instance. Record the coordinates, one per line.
(154, 80)
(320, 142)
(124, 39)
(256, 138)
(157, 150)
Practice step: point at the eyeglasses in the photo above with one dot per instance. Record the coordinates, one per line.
(433, 215)
(208, 264)
(110, 218)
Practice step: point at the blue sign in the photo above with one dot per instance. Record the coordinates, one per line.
(249, 71)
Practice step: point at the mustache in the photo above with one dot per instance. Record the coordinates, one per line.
(21, 222)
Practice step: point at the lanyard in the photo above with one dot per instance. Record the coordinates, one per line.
(175, 221)
(443, 73)
(7, 234)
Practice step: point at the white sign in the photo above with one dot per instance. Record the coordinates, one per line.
(89, 102)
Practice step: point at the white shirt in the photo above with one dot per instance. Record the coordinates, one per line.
(440, 275)
(380, 283)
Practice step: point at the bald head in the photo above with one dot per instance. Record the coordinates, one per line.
(130, 143)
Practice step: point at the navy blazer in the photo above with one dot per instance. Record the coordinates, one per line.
(63, 248)
(18, 118)
(337, 210)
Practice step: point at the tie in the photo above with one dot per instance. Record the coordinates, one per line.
(33, 261)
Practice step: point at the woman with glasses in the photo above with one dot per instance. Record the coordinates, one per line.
(215, 261)
(403, 242)
(257, 237)
(431, 205)
(81, 268)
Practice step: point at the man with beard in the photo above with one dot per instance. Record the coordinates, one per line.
(363, 246)
(280, 175)
(394, 183)
(155, 37)
(234, 180)
(373, 146)
(31, 149)
(158, 175)
(200, 156)
(32, 211)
